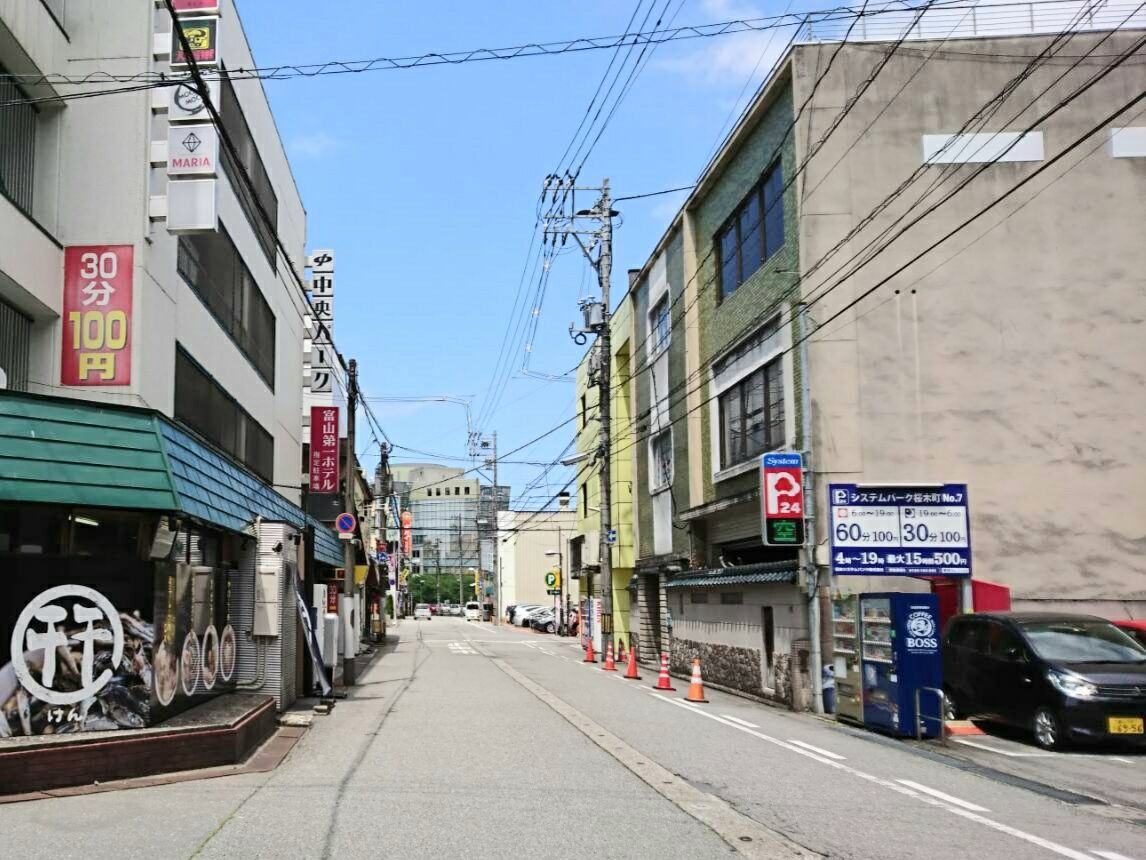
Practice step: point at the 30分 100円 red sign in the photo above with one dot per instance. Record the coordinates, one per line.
(96, 348)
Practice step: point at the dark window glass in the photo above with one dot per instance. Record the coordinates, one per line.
(203, 405)
(698, 597)
(731, 597)
(753, 233)
(660, 324)
(212, 267)
(15, 344)
(261, 209)
(1002, 643)
(752, 415)
(769, 635)
(17, 144)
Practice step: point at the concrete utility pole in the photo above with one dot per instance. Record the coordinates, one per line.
(604, 413)
(810, 569)
(496, 619)
(349, 674)
(600, 240)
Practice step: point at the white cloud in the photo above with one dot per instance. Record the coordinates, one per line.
(315, 145)
(724, 60)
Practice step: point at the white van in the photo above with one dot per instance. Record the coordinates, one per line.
(473, 611)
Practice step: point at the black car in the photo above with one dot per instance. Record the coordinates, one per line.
(1063, 677)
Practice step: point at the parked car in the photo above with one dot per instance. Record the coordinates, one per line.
(544, 620)
(422, 610)
(1062, 677)
(473, 611)
(521, 617)
(1133, 629)
(519, 610)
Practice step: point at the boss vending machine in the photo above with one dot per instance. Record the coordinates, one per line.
(899, 647)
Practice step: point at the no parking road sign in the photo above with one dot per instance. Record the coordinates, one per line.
(346, 523)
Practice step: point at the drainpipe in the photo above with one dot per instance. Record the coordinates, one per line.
(810, 571)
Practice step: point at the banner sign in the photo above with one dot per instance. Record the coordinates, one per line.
(200, 6)
(203, 37)
(97, 308)
(324, 449)
(311, 638)
(407, 534)
(900, 530)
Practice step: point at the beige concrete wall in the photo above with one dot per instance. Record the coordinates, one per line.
(1013, 357)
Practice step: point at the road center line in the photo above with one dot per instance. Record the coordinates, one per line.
(819, 750)
(1061, 850)
(974, 807)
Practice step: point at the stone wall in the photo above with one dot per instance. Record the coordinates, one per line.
(736, 668)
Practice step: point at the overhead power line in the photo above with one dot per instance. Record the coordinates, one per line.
(644, 38)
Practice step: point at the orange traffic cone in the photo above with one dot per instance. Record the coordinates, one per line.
(620, 650)
(590, 657)
(663, 682)
(610, 664)
(631, 671)
(696, 684)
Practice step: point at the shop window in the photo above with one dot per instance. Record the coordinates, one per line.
(753, 233)
(698, 597)
(105, 534)
(32, 531)
(212, 266)
(202, 404)
(18, 120)
(262, 209)
(730, 598)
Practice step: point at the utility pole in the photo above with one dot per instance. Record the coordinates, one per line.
(811, 571)
(600, 240)
(349, 673)
(496, 619)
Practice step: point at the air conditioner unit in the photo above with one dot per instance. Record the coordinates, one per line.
(591, 550)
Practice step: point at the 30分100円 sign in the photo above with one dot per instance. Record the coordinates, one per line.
(96, 343)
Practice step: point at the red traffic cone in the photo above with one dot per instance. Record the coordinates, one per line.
(590, 657)
(696, 684)
(610, 664)
(631, 671)
(663, 682)
(620, 650)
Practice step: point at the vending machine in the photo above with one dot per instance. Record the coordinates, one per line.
(846, 657)
(899, 640)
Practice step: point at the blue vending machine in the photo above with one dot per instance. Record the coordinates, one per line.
(899, 641)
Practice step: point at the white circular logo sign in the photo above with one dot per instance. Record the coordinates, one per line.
(920, 624)
(36, 633)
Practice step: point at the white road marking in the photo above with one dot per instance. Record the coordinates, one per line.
(738, 720)
(982, 746)
(1061, 850)
(974, 807)
(1109, 855)
(819, 750)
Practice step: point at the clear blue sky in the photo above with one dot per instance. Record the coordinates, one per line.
(425, 182)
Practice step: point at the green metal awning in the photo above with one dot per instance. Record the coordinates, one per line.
(745, 574)
(62, 451)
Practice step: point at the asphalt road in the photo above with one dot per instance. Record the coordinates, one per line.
(474, 741)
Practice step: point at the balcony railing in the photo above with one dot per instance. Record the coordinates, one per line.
(969, 19)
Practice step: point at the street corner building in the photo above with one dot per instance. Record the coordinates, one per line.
(151, 363)
(811, 297)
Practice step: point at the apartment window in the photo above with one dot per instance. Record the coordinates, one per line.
(430, 493)
(467, 491)
(660, 324)
(753, 233)
(731, 598)
(584, 411)
(17, 144)
(212, 267)
(661, 449)
(698, 597)
(15, 344)
(752, 415)
(264, 199)
(585, 497)
(202, 404)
